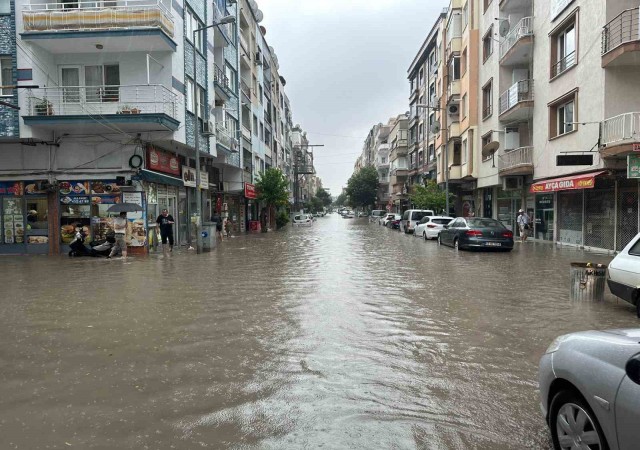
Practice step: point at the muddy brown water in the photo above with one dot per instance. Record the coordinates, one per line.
(342, 335)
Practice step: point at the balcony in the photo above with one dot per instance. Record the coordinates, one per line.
(517, 45)
(455, 172)
(383, 180)
(225, 138)
(621, 40)
(98, 108)
(453, 90)
(246, 133)
(620, 134)
(114, 26)
(453, 130)
(244, 44)
(516, 103)
(518, 161)
(246, 92)
(221, 84)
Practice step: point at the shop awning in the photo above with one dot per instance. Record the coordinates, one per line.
(583, 181)
(156, 177)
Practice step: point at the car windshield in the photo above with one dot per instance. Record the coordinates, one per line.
(441, 221)
(483, 223)
(418, 215)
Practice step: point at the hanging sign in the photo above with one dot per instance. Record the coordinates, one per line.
(250, 191)
(162, 161)
(189, 178)
(633, 166)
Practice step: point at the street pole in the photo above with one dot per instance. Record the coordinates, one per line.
(196, 131)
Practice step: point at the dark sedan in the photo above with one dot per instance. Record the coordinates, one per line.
(476, 232)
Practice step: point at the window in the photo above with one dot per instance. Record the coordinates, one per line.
(463, 62)
(201, 97)
(465, 15)
(487, 100)
(563, 47)
(232, 76)
(563, 115)
(463, 106)
(189, 93)
(454, 68)
(456, 153)
(487, 44)
(486, 139)
(420, 77)
(6, 75)
(486, 4)
(5, 6)
(464, 151)
(261, 93)
(193, 24)
(635, 249)
(261, 132)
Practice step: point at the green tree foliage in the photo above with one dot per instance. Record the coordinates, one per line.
(273, 188)
(429, 196)
(325, 197)
(362, 188)
(341, 200)
(315, 204)
(282, 219)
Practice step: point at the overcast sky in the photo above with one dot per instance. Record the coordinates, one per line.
(345, 62)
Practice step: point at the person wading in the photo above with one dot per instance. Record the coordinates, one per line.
(166, 221)
(523, 223)
(120, 230)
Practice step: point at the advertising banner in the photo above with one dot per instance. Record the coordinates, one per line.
(250, 191)
(162, 161)
(587, 181)
(189, 178)
(633, 166)
(11, 188)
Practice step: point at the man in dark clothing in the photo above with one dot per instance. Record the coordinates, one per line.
(165, 221)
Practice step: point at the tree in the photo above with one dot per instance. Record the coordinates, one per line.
(362, 187)
(429, 196)
(341, 200)
(315, 204)
(324, 196)
(273, 188)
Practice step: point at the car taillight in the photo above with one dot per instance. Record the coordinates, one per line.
(474, 233)
(432, 226)
(507, 234)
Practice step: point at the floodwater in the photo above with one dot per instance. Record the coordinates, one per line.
(345, 335)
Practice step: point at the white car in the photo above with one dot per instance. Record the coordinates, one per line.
(383, 220)
(303, 220)
(624, 274)
(429, 226)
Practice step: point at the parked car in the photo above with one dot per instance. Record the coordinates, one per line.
(590, 390)
(476, 232)
(348, 215)
(386, 219)
(303, 219)
(377, 214)
(412, 217)
(430, 226)
(623, 276)
(394, 223)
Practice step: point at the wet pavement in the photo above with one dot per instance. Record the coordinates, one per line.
(342, 335)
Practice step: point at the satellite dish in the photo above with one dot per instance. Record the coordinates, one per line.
(504, 27)
(435, 127)
(259, 16)
(253, 5)
(490, 149)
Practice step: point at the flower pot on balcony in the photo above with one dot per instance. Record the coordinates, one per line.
(135, 111)
(44, 108)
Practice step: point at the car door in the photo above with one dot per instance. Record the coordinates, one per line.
(448, 233)
(460, 228)
(626, 407)
(625, 266)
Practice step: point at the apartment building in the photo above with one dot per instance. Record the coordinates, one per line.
(381, 150)
(398, 164)
(114, 99)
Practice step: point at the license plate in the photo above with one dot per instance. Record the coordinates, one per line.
(493, 244)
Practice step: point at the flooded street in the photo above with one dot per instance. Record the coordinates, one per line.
(342, 335)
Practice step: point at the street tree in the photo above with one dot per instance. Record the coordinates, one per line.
(324, 196)
(273, 188)
(341, 200)
(429, 196)
(362, 187)
(315, 204)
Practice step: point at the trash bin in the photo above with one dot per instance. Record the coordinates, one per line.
(208, 236)
(588, 281)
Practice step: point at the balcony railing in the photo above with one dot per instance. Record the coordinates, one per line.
(519, 157)
(224, 136)
(220, 78)
(565, 63)
(97, 15)
(520, 92)
(625, 127)
(487, 110)
(245, 88)
(244, 44)
(101, 100)
(522, 29)
(625, 27)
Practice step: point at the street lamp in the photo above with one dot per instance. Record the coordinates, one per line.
(446, 157)
(223, 21)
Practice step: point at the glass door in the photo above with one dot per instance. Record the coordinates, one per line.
(70, 83)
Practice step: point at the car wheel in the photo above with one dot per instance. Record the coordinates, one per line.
(424, 235)
(573, 424)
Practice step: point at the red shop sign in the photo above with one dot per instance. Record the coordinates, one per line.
(250, 191)
(162, 161)
(587, 181)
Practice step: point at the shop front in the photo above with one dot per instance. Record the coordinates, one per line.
(252, 207)
(24, 217)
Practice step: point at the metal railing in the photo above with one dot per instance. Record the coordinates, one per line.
(518, 157)
(619, 128)
(101, 100)
(220, 78)
(97, 15)
(522, 29)
(246, 90)
(565, 63)
(625, 27)
(520, 92)
(224, 136)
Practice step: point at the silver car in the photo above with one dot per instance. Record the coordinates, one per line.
(590, 390)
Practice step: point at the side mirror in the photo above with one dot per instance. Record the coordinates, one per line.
(633, 369)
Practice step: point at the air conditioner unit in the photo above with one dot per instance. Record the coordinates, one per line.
(453, 109)
(512, 183)
(235, 144)
(208, 128)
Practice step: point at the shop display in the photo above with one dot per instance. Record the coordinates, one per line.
(37, 240)
(13, 220)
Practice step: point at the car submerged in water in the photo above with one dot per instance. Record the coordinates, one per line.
(476, 233)
(303, 220)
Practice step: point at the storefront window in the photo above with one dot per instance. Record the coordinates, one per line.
(544, 217)
(37, 213)
(72, 216)
(12, 220)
